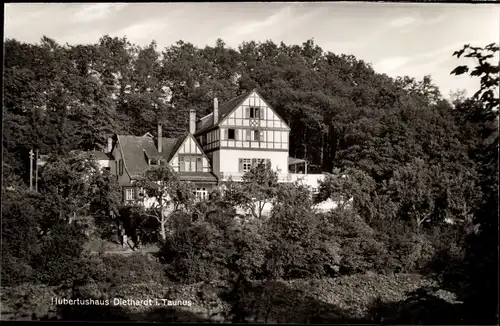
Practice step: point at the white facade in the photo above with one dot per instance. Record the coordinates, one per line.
(229, 161)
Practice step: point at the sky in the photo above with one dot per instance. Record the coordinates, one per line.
(398, 39)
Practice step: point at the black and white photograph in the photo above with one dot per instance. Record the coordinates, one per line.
(251, 162)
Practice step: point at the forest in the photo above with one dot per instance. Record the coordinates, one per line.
(419, 244)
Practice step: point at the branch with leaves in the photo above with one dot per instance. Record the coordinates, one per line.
(165, 194)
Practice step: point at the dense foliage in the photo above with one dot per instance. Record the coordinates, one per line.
(422, 172)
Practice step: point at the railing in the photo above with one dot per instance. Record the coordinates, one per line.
(282, 177)
(238, 176)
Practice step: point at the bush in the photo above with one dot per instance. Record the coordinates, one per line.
(59, 260)
(136, 268)
(15, 270)
(215, 248)
(302, 244)
(362, 249)
(28, 302)
(195, 253)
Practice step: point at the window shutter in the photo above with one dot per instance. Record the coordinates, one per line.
(236, 134)
(257, 113)
(249, 135)
(254, 161)
(226, 134)
(241, 165)
(199, 163)
(261, 136)
(247, 112)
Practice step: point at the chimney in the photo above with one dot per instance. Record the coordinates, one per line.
(216, 111)
(159, 138)
(192, 121)
(110, 145)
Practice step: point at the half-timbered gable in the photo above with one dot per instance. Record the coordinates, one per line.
(189, 157)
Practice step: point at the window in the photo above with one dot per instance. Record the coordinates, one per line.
(129, 193)
(254, 113)
(256, 135)
(231, 134)
(201, 193)
(190, 163)
(120, 167)
(199, 164)
(247, 163)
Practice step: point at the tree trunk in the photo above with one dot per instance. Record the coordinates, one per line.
(124, 240)
(162, 230)
(322, 161)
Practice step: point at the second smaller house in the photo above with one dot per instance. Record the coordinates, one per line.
(133, 155)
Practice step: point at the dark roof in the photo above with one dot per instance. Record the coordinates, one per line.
(227, 107)
(198, 176)
(101, 156)
(169, 147)
(134, 147)
(176, 145)
(224, 109)
(205, 122)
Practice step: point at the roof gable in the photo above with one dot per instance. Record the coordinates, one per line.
(271, 108)
(183, 141)
(225, 110)
(229, 107)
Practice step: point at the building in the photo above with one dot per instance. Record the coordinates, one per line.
(221, 145)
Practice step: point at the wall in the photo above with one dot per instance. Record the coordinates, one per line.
(123, 179)
(215, 158)
(312, 180)
(229, 159)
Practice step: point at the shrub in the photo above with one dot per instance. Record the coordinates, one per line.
(302, 244)
(136, 268)
(362, 249)
(28, 302)
(59, 260)
(195, 253)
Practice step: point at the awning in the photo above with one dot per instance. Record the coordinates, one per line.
(199, 177)
(293, 160)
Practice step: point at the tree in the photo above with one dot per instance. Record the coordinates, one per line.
(78, 187)
(257, 189)
(429, 194)
(36, 245)
(351, 186)
(165, 194)
(478, 283)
